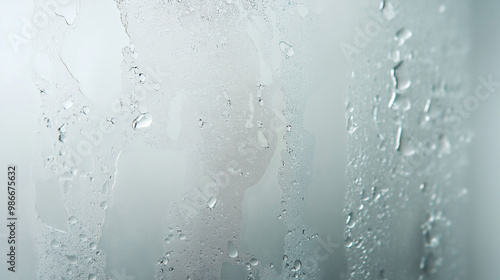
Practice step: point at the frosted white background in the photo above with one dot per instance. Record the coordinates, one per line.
(152, 171)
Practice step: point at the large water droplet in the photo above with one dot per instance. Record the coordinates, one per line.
(262, 139)
(351, 126)
(402, 35)
(350, 221)
(387, 9)
(72, 220)
(400, 77)
(296, 265)
(399, 103)
(287, 49)
(254, 261)
(67, 104)
(104, 205)
(403, 144)
(231, 249)
(142, 121)
(211, 202)
(162, 261)
(106, 187)
(85, 110)
(54, 243)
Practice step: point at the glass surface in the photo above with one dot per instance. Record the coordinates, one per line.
(249, 139)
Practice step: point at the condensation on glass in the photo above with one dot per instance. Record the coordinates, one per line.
(407, 142)
(210, 97)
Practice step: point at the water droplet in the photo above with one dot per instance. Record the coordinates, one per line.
(142, 121)
(348, 242)
(400, 103)
(54, 243)
(287, 49)
(104, 205)
(182, 236)
(387, 9)
(211, 202)
(349, 108)
(72, 220)
(162, 261)
(262, 139)
(403, 145)
(399, 134)
(402, 35)
(283, 46)
(142, 78)
(106, 187)
(62, 137)
(201, 123)
(231, 250)
(400, 77)
(254, 261)
(83, 237)
(350, 221)
(67, 104)
(375, 114)
(427, 105)
(85, 110)
(93, 245)
(434, 242)
(71, 258)
(288, 128)
(444, 146)
(92, 277)
(395, 56)
(296, 265)
(351, 126)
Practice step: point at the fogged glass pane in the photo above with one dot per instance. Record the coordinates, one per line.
(248, 139)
